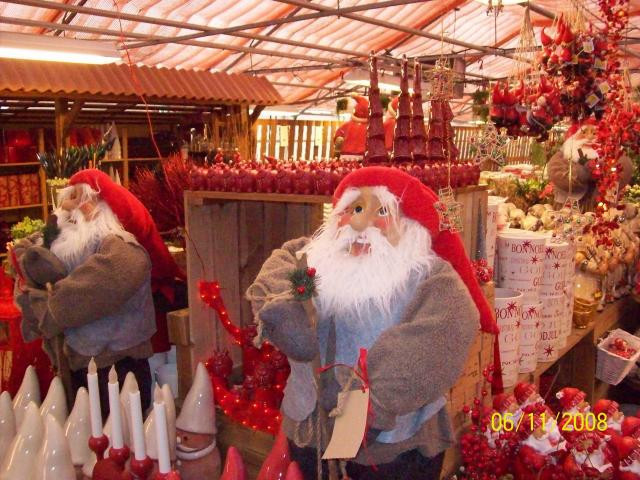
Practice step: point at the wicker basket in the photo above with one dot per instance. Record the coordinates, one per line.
(611, 368)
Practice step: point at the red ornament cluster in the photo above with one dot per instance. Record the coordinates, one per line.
(255, 403)
(484, 273)
(315, 178)
(621, 348)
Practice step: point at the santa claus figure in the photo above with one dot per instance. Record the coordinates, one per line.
(589, 456)
(613, 415)
(570, 168)
(527, 394)
(389, 282)
(86, 287)
(542, 450)
(628, 451)
(573, 404)
(507, 406)
(630, 427)
(196, 450)
(350, 138)
(390, 123)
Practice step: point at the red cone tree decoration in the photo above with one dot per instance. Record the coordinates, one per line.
(451, 151)
(435, 134)
(418, 132)
(375, 150)
(402, 133)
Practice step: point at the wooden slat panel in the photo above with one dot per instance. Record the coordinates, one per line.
(251, 250)
(273, 126)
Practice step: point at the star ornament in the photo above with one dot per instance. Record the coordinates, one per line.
(548, 350)
(534, 260)
(526, 243)
(556, 265)
(511, 306)
(548, 251)
(490, 146)
(532, 310)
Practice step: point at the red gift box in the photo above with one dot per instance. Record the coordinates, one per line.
(34, 185)
(21, 154)
(24, 190)
(14, 191)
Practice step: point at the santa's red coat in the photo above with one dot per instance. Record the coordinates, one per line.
(533, 465)
(389, 128)
(355, 136)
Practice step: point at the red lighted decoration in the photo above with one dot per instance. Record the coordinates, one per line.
(256, 401)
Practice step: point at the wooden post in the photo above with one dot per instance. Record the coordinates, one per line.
(124, 146)
(61, 108)
(42, 177)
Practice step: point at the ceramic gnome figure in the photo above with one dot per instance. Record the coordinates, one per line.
(590, 456)
(197, 454)
(7, 423)
(527, 394)
(54, 458)
(613, 414)
(573, 403)
(18, 463)
(28, 392)
(77, 429)
(55, 403)
(389, 282)
(541, 450)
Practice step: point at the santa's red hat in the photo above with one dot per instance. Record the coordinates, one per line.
(630, 427)
(361, 110)
(573, 129)
(135, 218)
(627, 448)
(523, 391)
(606, 406)
(570, 397)
(417, 202)
(503, 401)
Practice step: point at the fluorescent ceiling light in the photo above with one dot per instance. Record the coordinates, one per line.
(56, 49)
(386, 82)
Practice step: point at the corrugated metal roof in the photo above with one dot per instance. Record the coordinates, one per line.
(461, 20)
(157, 84)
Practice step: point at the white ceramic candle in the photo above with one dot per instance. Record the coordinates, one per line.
(508, 308)
(520, 263)
(162, 436)
(117, 440)
(94, 399)
(552, 316)
(137, 428)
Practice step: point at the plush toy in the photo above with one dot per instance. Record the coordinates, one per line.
(388, 281)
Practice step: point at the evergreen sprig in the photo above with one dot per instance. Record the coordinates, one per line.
(303, 283)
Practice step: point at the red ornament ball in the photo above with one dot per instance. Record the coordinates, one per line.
(311, 272)
(301, 290)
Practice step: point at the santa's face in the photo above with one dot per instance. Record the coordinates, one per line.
(367, 216)
(189, 442)
(74, 200)
(580, 144)
(366, 252)
(547, 438)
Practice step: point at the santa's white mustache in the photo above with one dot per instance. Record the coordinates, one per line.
(346, 236)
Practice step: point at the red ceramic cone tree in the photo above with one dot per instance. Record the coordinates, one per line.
(451, 151)
(435, 134)
(375, 150)
(418, 132)
(402, 133)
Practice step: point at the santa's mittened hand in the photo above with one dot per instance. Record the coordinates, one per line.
(285, 324)
(42, 267)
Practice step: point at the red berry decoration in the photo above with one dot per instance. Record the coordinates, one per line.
(301, 290)
(311, 272)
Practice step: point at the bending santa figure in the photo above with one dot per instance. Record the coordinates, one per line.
(390, 282)
(86, 289)
(570, 168)
(350, 138)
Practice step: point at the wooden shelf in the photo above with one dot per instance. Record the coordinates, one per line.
(21, 207)
(203, 195)
(3, 255)
(21, 164)
(603, 322)
(120, 160)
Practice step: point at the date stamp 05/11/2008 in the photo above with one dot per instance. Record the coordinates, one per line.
(566, 421)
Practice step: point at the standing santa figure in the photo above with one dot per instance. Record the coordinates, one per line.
(390, 282)
(86, 288)
(542, 450)
(570, 168)
(350, 137)
(390, 123)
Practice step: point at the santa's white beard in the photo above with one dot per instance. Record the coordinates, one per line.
(369, 280)
(79, 238)
(572, 145)
(551, 442)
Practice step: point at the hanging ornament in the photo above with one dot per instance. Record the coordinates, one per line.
(449, 210)
(442, 79)
(490, 146)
